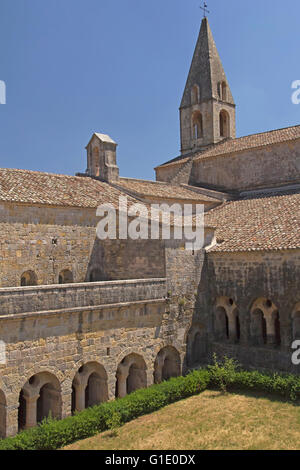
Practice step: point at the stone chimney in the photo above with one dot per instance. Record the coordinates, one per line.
(102, 158)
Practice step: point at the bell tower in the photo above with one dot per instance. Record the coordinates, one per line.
(102, 158)
(207, 110)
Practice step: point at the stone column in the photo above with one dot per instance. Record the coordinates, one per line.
(232, 328)
(271, 337)
(11, 420)
(53, 403)
(95, 390)
(122, 385)
(80, 397)
(31, 411)
(150, 377)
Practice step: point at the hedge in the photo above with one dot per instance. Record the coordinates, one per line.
(54, 434)
(227, 375)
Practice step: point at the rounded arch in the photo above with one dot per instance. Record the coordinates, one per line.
(28, 278)
(65, 277)
(197, 125)
(39, 398)
(264, 304)
(224, 119)
(131, 375)
(227, 319)
(167, 364)
(196, 345)
(89, 386)
(265, 322)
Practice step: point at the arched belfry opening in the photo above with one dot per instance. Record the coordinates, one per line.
(197, 125)
(224, 124)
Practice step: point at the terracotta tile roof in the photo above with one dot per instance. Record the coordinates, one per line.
(252, 141)
(243, 143)
(161, 190)
(261, 223)
(32, 187)
(176, 162)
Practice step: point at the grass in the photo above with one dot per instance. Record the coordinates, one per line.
(210, 421)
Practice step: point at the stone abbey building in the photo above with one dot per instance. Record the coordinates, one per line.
(85, 320)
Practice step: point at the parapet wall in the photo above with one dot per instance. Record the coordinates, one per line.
(48, 298)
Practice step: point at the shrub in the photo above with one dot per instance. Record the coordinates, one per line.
(223, 374)
(226, 374)
(284, 385)
(114, 422)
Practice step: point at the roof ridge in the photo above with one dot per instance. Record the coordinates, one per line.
(260, 133)
(261, 144)
(147, 181)
(255, 197)
(37, 172)
(214, 150)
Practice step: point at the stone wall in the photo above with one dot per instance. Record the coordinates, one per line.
(48, 240)
(61, 342)
(264, 167)
(168, 173)
(277, 164)
(127, 333)
(240, 282)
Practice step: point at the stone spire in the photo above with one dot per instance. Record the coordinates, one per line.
(207, 110)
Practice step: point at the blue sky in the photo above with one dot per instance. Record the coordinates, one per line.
(74, 67)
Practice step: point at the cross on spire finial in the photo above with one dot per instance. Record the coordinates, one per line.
(205, 10)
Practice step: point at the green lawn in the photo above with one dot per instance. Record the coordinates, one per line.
(208, 421)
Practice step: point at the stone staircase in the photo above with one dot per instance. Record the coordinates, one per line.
(183, 174)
